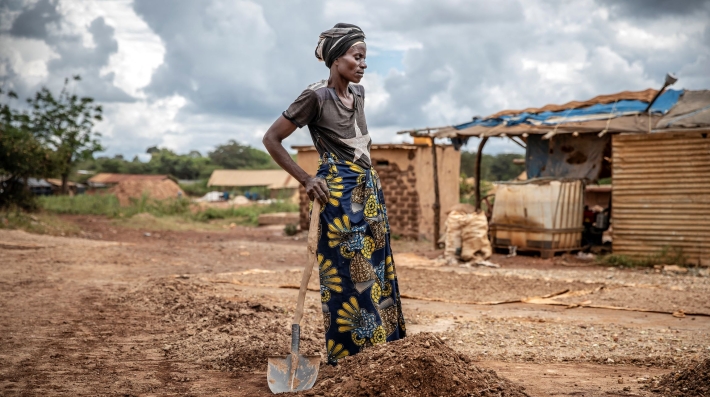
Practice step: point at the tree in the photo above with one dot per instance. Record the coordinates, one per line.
(21, 156)
(493, 168)
(65, 124)
(234, 156)
(185, 166)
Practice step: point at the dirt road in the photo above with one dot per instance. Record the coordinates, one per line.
(139, 312)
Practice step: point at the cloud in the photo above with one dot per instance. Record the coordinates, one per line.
(45, 49)
(33, 22)
(74, 58)
(654, 9)
(190, 75)
(232, 57)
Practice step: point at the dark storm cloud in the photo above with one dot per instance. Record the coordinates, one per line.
(234, 58)
(655, 8)
(457, 60)
(42, 21)
(464, 61)
(74, 59)
(239, 63)
(255, 66)
(469, 58)
(32, 22)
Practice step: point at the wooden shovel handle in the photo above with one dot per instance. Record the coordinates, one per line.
(312, 247)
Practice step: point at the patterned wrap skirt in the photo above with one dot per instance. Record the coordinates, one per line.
(358, 282)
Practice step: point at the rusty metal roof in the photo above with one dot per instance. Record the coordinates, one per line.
(645, 96)
(58, 182)
(688, 109)
(691, 111)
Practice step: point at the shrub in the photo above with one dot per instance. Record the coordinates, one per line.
(290, 229)
(196, 189)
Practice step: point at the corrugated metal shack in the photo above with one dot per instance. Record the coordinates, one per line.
(655, 146)
(661, 190)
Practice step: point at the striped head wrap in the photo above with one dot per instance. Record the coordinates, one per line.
(335, 42)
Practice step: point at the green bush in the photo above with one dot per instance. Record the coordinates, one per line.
(168, 207)
(291, 229)
(197, 189)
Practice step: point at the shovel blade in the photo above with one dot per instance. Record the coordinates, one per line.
(282, 378)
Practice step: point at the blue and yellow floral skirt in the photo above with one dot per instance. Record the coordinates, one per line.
(358, 282)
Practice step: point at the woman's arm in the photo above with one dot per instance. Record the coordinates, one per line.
(280, 130)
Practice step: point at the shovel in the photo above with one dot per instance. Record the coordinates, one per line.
(294, 372)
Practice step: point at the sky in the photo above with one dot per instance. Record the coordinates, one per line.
(190, 75)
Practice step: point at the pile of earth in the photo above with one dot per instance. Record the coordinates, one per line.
(135, 189)
(227, 334)
(692, 381)
(144, 217)
(418, 365)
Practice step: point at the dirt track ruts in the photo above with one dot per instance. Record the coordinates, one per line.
(94, 317)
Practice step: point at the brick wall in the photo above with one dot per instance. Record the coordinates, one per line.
(401, 197)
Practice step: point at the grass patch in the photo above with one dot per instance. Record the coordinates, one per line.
(147, 221)
(666, 256)
(248, 214)
(180, 210)
(82, 204)
(108, 205)
(38, 223)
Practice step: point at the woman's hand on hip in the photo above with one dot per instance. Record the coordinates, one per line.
(316, 188)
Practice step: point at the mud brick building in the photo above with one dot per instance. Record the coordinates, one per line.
(407, 175)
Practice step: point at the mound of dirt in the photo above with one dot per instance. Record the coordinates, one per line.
(419, 365)
(227, 335)
(144, 217)
(692, 381)
(160, 190)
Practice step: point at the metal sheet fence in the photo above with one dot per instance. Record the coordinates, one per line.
(661, 194)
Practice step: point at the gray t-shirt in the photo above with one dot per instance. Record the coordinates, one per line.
(334, 127)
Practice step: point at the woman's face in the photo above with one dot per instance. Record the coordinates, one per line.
(352, 65)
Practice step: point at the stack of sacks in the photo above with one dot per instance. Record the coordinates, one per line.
(466, 236)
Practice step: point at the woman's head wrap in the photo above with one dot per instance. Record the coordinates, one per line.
(334, 43)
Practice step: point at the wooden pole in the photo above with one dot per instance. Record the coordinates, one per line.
(478, 172)
(437, 203)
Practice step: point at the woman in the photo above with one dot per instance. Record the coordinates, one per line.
(358, 283)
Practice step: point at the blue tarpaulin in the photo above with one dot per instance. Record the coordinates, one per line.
(609, 110)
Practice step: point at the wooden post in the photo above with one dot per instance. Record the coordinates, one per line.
(437, 203)
(478, 172)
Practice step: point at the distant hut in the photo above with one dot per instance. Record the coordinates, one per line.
(72, 187)
(274, 184)
(39, 187)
